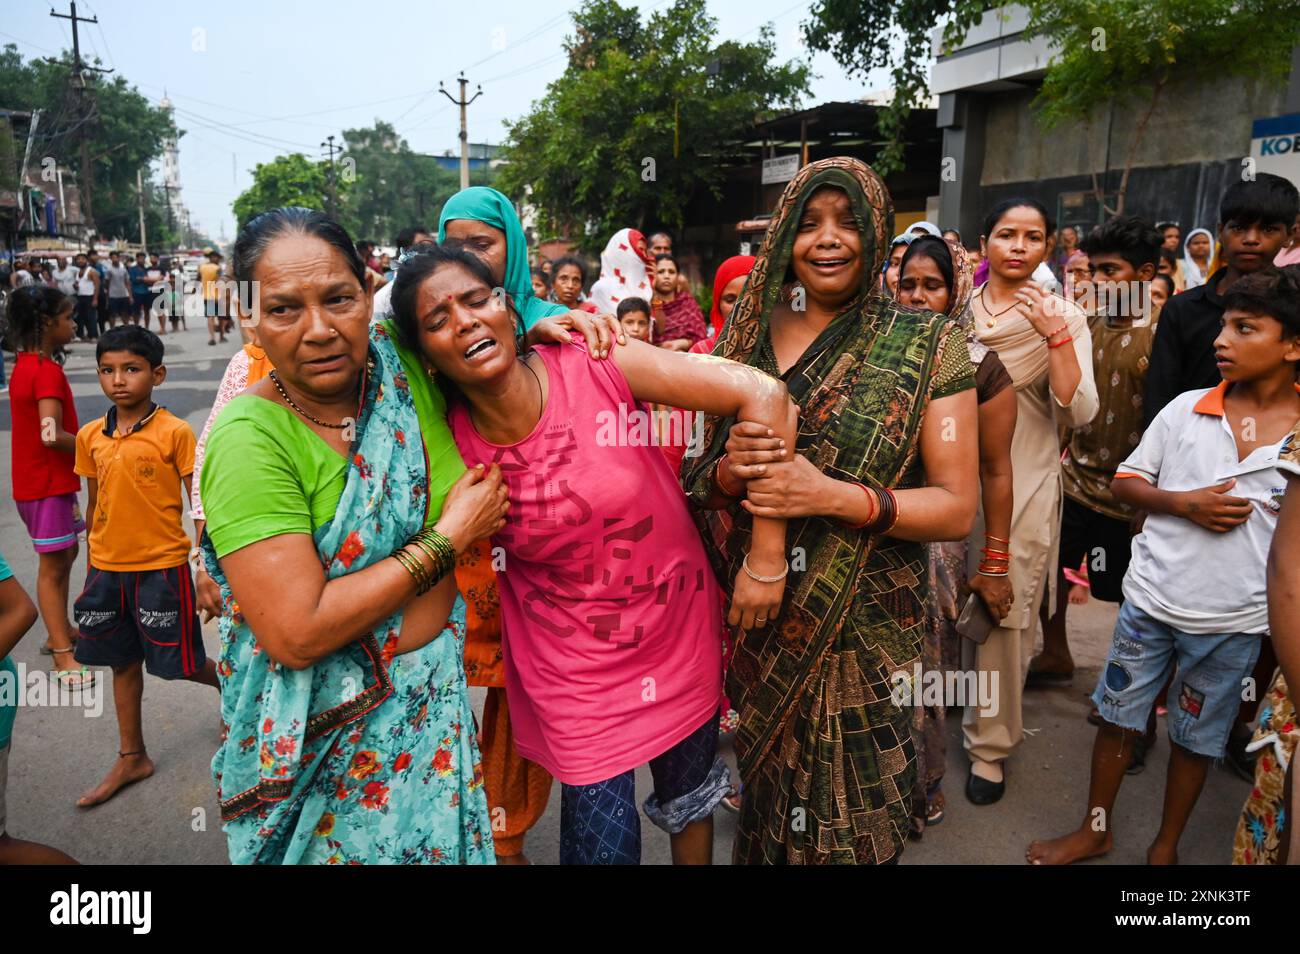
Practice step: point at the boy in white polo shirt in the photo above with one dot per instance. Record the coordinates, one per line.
(1206, 473)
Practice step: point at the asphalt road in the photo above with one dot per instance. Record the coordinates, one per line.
(60, 751)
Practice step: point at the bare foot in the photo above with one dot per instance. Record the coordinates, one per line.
(519, 859)
(127, 770)
(1076, 846)
(1158, 854)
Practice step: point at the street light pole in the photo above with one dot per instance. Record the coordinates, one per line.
(463, 103)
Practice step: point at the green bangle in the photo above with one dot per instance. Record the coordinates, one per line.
(439, 549)
(414, 566)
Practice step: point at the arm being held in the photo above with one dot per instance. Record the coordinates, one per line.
(724, 389)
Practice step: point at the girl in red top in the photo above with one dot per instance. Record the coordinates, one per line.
(44, 447)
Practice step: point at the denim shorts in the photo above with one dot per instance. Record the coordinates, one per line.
(1205, 695)
(599, 824)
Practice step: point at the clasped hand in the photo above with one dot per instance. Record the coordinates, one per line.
(778, 482)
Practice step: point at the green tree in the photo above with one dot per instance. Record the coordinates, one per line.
(641, 119)
(125, 132)
(391, 187)
(864, 35)
(1119, 53)
(285, 180)
(1125, 55)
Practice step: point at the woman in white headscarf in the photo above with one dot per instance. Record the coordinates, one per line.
(622, 272)
(1197, 252)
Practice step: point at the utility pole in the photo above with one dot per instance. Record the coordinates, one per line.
(139, 194)
(77, 83)
(463, 103)
(333, 193)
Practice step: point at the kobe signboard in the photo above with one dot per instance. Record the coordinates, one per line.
(1275, 145)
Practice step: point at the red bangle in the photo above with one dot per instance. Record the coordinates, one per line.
(874, 500)
(717, 480)
(1064, 341)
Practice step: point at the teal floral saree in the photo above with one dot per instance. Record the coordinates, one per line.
(366, 756)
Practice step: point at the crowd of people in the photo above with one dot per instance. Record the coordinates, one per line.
(893, 456)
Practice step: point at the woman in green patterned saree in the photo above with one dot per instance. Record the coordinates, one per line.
(886, 458)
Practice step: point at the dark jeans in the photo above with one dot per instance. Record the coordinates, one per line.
(600, 824)
(87, 317)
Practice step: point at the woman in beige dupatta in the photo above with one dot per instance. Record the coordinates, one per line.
(1043, 341)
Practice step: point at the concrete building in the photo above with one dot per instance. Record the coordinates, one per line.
(1201, 134)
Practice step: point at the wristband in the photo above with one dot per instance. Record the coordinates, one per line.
(1062, 343)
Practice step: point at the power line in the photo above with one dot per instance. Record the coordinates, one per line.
(34, 46)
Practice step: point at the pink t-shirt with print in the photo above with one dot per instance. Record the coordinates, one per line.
(610, 626)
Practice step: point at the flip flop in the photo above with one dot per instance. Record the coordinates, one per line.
(79, 678)
(731, 801)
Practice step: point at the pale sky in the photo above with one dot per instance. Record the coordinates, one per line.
(252, 80)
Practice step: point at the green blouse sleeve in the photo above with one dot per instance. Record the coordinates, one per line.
(250, 487)
(956, 373)
(445, 462)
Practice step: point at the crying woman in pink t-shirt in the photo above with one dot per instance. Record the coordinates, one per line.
(610, 629)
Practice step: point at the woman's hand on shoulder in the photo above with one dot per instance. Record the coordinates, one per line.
(475, 507)
(599, 331)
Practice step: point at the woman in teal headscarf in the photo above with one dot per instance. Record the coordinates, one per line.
(485, 222)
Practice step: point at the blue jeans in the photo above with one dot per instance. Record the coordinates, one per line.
(599, 823)
(1205, 695)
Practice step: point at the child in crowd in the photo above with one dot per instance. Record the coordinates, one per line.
(1162, 289)
(17, 614)
(634, 315)
(45, 485)
(541, 283)
(1255, 219)
(1171, 267)
(138, 605)
(1206, 473)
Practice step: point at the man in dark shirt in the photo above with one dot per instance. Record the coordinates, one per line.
(1254, 220)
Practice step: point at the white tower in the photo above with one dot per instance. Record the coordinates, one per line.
(172, 175)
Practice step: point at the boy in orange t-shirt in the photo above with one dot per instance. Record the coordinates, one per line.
(137, 609)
